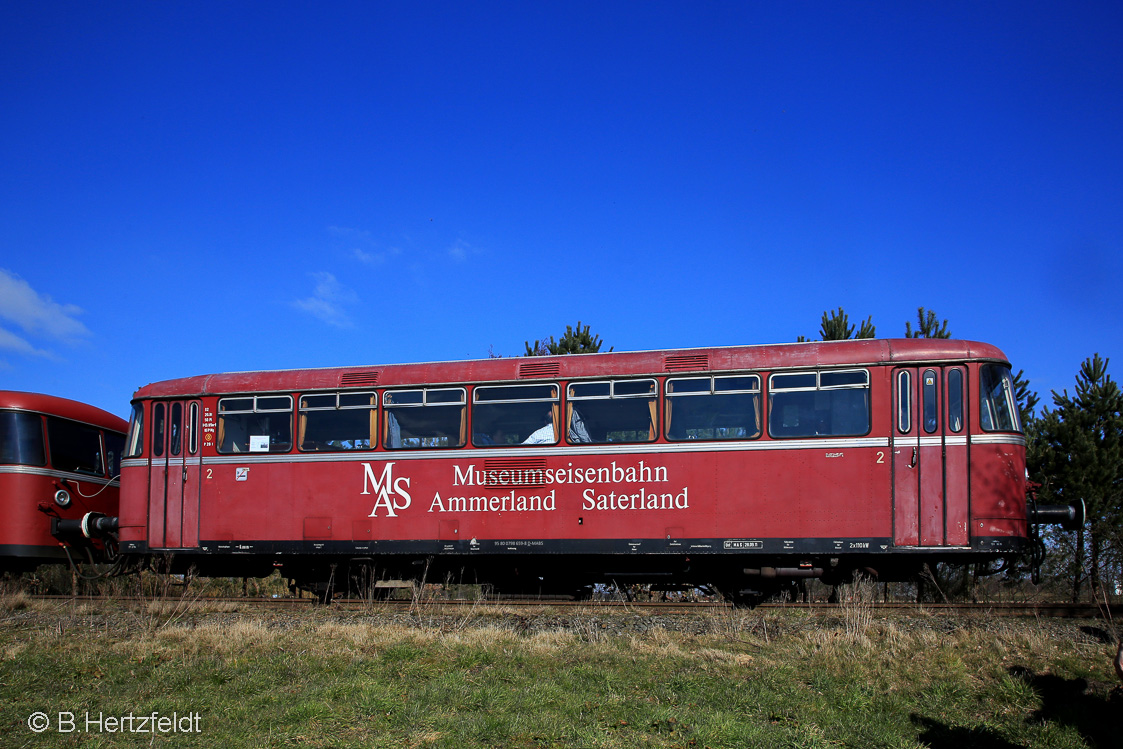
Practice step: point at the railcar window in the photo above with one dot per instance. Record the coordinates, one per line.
(114, 446)
(997, 409)
(430, 417)
(136, 432)
(904, 402)
(713, 408)
(338, 421)
(955, 400)
(193, 428)
(516, 415)
(930, 396)
(255, 424)
(829, 380)
(613, 411)
(819, 404)
(159, 424)
(808, 381)
(176, 427)
(21, 438)
(74, 447)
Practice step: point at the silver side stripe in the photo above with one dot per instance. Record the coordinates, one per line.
(608, 450)
(960, 439)
(68, 475)
(998, 439)
(160, 462)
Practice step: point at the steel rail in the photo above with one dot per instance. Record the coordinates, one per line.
(1019, 609)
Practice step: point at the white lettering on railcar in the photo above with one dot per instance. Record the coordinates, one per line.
(509, 502)
(638, 473)
(609, 488)
(641, 500)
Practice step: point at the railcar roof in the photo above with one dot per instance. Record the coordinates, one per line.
(614, 364)
(64, 407)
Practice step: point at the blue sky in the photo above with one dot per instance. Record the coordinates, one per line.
(202, 187)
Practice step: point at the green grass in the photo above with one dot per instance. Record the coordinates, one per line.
(501, 678)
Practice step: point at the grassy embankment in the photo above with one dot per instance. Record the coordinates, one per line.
(490, 676)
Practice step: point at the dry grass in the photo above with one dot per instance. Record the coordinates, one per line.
(510, 677)
(14, 601)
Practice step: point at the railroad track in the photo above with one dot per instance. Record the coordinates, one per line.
(1042, 610)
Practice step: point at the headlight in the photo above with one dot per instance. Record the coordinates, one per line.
(62, 498)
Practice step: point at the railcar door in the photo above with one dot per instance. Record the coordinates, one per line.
(930, 456)
(173, 500)
(956, 469)
(906, 460)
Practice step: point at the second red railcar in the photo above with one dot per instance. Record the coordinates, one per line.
(59, 475)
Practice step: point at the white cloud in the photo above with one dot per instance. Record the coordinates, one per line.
(460, 251)
(368, 258)
(329, 301)
(37, 313)
(374, 258)
(9, 341)
(362, 246)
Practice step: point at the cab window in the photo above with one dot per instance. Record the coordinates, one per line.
(21, 438)
(135, 442)
(74, 447)
(998, 411)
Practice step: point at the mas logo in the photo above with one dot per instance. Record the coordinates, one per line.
(387, 490)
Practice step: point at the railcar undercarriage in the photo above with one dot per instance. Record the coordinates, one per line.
(745, 579)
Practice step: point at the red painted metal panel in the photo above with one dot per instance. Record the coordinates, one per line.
(134, 503)
(157, 503)
(998, 483)
(815, 493)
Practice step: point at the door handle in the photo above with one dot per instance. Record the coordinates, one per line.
(915, 454)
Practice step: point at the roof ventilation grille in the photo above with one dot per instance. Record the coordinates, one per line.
(686, 362)
(359, 379)
(540, 369)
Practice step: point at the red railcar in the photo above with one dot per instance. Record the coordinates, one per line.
(59, 474)
(741, 467)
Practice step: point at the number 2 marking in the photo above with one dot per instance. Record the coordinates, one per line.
(880, 456)
(210, 472)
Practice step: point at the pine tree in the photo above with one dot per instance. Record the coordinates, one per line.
(1027, 399)
(578, 341)
(1077, 455)
(836, 326)
(928, 326)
